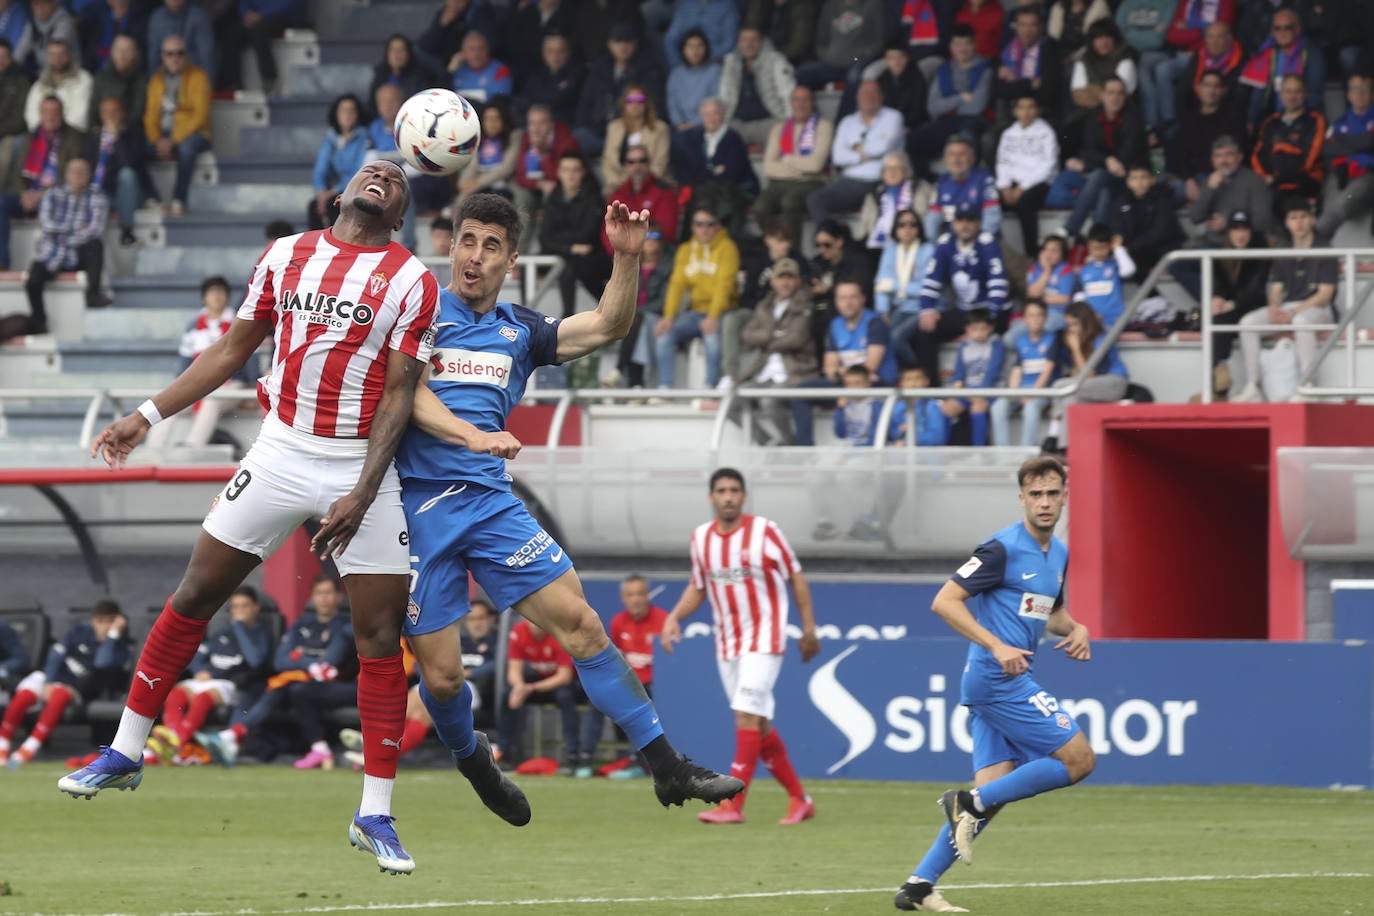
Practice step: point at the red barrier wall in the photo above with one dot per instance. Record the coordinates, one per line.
(1174, 523)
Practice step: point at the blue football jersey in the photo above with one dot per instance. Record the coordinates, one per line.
(1099, 284)
(479, 369)
(1035, 356)
(1015, 586)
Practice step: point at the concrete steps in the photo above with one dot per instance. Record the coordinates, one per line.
(197, 262)
(171, 292)
(292, 169)
(231, 229)
(256, 199)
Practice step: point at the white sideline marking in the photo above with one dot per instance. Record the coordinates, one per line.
(702, 898)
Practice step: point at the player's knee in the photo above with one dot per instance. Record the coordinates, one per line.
(1080, 763)
(445, 683)
(585, 635)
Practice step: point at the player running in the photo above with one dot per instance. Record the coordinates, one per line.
(352, 315)
(1023, 744)
(744, 564)
(464, 518)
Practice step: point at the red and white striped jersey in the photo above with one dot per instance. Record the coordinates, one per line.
(745, 575)
(338, 311)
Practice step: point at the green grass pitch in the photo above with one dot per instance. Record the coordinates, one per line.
(271, 840)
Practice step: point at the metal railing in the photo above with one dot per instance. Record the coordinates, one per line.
(543, 271)
(538, 274)
(1345, 327)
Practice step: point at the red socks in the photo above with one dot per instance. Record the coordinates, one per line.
(14, 715)
(58, 698)
(414, 735)
(775, 757)
(170, 647)
(382, 708)
(174, 710)
(190, 723)
(746, 758)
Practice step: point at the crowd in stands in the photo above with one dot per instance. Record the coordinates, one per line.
(1123, 113)
(264, 689)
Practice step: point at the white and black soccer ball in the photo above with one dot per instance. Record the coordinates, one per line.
(437, 131)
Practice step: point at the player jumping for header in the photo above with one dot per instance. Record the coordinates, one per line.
(1023, 743)
(464, 518)
(352, 313)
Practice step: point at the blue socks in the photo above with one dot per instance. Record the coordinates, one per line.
(940, 857)
(980, 428)
(614, 688)
(452, 720)
(1035, 777)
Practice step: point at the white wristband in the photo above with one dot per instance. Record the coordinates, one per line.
(150, 412)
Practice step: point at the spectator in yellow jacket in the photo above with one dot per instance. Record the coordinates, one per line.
(177, 117)
(706, 270)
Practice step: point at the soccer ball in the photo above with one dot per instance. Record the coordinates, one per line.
(437, 131)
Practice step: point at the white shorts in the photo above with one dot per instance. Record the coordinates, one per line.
(748, 681)
(289, 476)
(228, 690)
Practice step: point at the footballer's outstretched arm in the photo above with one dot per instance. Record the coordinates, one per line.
(206, 373)
(615, 313)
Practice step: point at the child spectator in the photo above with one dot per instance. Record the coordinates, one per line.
(1034, 358)
(1027, 160)
(1102, 275)
(209, 326)
(978, 364)
(932, 426)
(1146, 218)
(1051, 279)
(856, 419)
(90, 659)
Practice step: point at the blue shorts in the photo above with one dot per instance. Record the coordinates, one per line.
(460, 527)
(1018, 730)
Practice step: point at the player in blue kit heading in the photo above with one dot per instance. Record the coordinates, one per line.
(463, 517)
(1009, 593)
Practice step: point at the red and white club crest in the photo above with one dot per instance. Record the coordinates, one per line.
(376, 283)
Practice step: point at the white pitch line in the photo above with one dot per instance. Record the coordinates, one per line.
(706, 898)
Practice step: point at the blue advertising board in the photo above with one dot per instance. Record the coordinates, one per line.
(1298, 714)
(844, 610)
(1352, 606)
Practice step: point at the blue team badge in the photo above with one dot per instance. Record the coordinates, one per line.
(509, 333)
(1062, 720)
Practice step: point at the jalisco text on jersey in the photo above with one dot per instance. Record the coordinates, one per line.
(326, 309)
